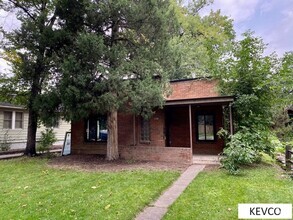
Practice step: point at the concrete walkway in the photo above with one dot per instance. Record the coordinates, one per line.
(159, 208)
(15, 155)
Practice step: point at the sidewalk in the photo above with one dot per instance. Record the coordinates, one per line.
(20, 154)
(159, 208)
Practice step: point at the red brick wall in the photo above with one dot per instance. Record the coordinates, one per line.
(154, 153)
(193, 89)
(79, 146)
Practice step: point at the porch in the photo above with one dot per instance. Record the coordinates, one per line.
(194, 124)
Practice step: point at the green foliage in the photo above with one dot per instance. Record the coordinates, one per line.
(247, 75)
(201, 42)
(245, 147)
(48, 138)
(121, 58)
(5, 142)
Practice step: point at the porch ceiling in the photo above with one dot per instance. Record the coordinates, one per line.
(209, 100)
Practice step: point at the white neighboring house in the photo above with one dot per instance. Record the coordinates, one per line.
(14, 123)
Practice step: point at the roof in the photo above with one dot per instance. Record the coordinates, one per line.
(196, 91)
(10, 106)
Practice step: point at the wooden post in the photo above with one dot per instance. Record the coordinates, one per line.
(190, 128)
(288, 157)
(231, 119)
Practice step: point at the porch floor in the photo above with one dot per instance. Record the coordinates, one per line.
(206, 159)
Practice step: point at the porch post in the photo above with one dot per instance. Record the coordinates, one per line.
(231, 119)
(190, 128)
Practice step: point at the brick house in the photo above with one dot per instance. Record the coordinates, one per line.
(187, 125)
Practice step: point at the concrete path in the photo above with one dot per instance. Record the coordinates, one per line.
(159, 208)
(15, 155)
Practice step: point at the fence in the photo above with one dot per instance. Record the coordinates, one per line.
(288, 158)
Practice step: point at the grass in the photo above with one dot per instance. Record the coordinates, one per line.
(216, 194)
(29, 189)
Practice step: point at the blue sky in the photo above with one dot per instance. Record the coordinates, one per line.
(272, 20)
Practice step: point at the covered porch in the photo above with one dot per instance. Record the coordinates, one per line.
(194, 123)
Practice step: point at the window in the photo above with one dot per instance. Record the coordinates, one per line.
(96, 128)
(145, 135)
(7, 120)
(18, 120)
(13, 120)
(205, 128)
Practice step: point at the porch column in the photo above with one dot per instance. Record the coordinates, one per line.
(231, 119)
(190, 128)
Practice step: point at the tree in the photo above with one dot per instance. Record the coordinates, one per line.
(248, 75)
(203, 41)
(32, 50)
(119, 60)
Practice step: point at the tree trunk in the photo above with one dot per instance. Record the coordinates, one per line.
(30, 149)
(112, 140)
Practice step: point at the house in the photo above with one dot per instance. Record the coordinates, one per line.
(187, 125)
(14, 123)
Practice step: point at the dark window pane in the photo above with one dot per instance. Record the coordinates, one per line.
(205, 127)
(145, 130)
(7, 123)
(18, 120)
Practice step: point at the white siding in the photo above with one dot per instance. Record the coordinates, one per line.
(59, 132)
(15, 136)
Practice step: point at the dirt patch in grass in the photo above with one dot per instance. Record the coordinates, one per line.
(99, 163)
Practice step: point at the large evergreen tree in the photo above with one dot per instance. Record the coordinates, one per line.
(121, 59)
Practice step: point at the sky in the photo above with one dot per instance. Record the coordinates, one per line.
(272, 20)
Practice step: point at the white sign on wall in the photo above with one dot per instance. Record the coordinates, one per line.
(66, 150)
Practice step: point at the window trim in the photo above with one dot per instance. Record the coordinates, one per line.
(214, 127)
(13, 120)
(142, 123)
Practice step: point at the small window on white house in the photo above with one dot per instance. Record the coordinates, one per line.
(18, 120)
(13, 120)
(145, 135)
(7, 123)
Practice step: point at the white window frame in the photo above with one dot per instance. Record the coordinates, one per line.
(13, 120)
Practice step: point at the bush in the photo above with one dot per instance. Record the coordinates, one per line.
(245, 147)
(5, 145)
(46, 141)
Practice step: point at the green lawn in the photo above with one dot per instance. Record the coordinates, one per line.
(215, 194)
(29, 189)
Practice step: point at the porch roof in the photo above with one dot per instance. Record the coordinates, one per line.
(208, 100)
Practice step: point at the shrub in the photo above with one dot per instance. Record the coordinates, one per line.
(47, 139)
(245, 147)
(5, 145)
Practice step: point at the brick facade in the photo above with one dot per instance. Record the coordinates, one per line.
(169, 128)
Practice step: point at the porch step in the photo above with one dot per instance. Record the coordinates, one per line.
(206, 159)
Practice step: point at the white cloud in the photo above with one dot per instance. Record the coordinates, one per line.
(238, 10)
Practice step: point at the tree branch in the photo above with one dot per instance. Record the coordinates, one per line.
(17, 5)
